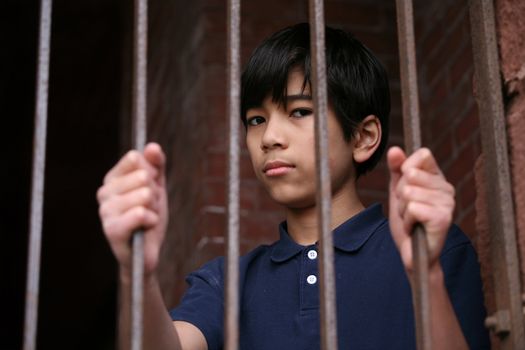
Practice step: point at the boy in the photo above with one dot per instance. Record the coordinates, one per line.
(279, 289)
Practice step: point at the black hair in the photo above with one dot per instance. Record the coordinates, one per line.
(357, 81)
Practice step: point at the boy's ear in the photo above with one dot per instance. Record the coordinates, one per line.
(367, 138)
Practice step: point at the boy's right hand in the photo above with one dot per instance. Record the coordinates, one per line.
(133, 197)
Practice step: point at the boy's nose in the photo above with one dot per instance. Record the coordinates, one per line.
(273, 136)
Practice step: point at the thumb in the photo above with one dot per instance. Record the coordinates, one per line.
(395, 159)
(155, 156)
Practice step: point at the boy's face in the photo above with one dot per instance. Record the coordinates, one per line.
(281, 142)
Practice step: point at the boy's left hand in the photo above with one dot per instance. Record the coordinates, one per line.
(418, 193)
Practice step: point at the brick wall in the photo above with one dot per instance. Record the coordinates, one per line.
(448, 110)
(198, 185)
(187, 105)
(449, 116)
(187, 110)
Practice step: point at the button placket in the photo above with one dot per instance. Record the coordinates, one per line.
(309, 279)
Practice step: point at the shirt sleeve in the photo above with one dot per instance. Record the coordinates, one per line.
(463, 281)
(202, 304)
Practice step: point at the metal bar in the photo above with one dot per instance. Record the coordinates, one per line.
(37, 185)
(233, 111)
(139, 139)
(412, 132)
(508, 321)
(323, 195)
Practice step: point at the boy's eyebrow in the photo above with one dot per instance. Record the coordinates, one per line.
(289, 98)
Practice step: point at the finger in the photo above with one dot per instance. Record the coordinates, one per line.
(432, 197)
(119, 229)
(126, 183)
(128, 162)
(117, 205)
(421, 159)
(434, 219)
(418, 177)
(131, 161)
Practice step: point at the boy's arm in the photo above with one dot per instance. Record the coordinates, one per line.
(160, 332)
(134, 196)
(420, 193)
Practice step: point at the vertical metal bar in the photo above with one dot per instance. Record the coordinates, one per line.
(233, 111)
(411, 125)
(323, 195)
(508, 321)
(37, 185)
(139, 139)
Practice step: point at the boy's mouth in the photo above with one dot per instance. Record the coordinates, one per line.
(277, 168)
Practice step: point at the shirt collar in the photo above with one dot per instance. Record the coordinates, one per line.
(349, 237)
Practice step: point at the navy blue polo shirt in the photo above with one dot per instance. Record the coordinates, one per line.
(279, 287)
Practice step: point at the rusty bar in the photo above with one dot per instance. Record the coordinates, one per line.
(323, 195)
(412, 132)
(139, 140)
(231, 320)
(37, 184)
(507, 322)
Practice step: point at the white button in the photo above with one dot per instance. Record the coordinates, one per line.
(311, 279)
(312, 254)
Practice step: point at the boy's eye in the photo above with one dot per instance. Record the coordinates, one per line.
(301, 112)
(255, 120)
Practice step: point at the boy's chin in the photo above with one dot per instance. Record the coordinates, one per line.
(294, 202)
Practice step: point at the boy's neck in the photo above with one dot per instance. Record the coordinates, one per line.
(302, 223)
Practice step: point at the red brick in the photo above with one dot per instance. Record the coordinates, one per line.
(246, 167)
(249, 199)
(435, 104)
(439, 59)
(376, 180)
(212, 224)
(433, 40)
(380, 44)
(358, 15)
(466, 193)
(369, 198)
(462, 165)
(461, 66)
(261, 227)
(215, 165)
(207, 250)
(214, 192)
(467, 126)
(467, 223)
(444, 149)
(391, 63)
(457, 11)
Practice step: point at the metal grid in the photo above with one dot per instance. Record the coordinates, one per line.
(37, 184)
(231, 335)
(138, 112)
(412, 134)
(324, 191)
